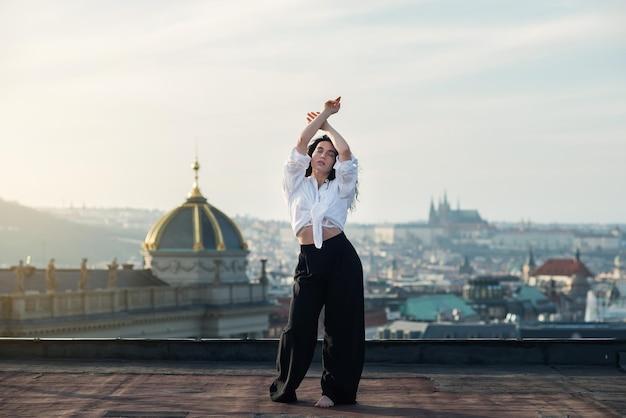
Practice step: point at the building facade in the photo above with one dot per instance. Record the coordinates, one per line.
(193, 285)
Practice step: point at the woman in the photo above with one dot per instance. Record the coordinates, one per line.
(320, 186)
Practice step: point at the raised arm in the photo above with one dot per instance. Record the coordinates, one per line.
(340, 144)
(318, 121)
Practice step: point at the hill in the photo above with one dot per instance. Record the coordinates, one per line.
(29, 232)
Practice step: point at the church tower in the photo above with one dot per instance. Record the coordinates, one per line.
(529, 266)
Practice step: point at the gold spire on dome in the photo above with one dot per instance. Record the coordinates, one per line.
(195, 190)
(211, 230)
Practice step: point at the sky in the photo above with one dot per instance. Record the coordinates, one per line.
(515, 109)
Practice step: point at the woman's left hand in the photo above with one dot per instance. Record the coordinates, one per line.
(333, 105)
(311, 115)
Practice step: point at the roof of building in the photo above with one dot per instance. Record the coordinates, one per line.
(426, 308)
(195, 225)
(125, 385)
(562, 267)
(451, 330)
(576, 330)
(530, 293)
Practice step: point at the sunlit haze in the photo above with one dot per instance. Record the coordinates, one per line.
(516, 109)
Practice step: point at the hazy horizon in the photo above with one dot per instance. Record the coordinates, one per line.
(281, 218)
(515, 109)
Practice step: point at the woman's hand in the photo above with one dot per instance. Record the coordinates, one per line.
(312, 115)
(316, 121)
(332, 106)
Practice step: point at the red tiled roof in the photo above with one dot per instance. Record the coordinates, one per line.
(562, 267)
(375, 318)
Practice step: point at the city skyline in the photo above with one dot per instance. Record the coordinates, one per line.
(515, 110)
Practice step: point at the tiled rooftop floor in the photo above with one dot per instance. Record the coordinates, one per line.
(69, 388)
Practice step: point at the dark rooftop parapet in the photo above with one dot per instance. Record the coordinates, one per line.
(588, 352)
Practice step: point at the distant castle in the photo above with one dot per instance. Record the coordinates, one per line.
(445, 217)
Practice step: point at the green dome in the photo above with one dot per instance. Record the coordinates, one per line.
(194, 226)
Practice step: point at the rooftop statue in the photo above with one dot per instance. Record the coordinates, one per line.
(84, 275)
(113, 274)
(51, 277)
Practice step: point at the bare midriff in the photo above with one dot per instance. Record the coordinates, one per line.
(305, 235)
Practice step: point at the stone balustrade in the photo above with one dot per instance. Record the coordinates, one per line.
(34, 305)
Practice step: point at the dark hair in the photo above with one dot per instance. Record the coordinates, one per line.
(311, 149)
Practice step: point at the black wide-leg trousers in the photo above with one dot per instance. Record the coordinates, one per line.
(330, 277)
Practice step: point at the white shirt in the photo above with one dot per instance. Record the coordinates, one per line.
(326, 206)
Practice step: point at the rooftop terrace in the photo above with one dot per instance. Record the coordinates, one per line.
(230, 378)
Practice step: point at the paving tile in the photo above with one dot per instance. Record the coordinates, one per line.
(196, 389)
